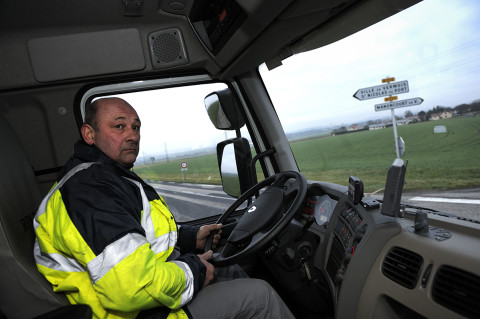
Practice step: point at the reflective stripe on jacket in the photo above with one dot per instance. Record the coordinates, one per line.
(99, 253)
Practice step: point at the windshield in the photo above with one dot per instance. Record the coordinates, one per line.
(339, 122)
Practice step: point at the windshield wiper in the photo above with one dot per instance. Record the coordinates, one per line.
(403, 209)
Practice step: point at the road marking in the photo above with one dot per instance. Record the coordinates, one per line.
(158, 189)
(185, 184)
(446, 200)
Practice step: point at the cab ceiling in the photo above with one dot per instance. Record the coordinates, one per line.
(35, 36)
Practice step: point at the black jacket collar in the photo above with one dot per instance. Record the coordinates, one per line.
(91, 153)
(84, 153)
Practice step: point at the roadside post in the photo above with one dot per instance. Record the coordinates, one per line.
(390, 89)
(183, 168)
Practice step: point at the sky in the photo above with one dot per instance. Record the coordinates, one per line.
(434, 45)
(168, 128)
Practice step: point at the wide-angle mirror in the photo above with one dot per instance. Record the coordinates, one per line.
(234, 162)
(223, 111)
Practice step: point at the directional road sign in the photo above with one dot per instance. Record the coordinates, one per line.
(397, 104)
(372, 92)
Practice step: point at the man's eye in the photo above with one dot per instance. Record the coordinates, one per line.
(119, 126)
(136, 127)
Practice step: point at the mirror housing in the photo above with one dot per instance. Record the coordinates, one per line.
(234, 162)
(223, 110)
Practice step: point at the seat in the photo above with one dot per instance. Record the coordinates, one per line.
(24, 292)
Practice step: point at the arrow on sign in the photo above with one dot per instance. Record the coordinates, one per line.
(397, 104)
(382, 90)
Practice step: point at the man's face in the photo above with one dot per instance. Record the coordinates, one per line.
(118, 134)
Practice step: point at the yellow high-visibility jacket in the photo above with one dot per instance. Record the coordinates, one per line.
(104, 238)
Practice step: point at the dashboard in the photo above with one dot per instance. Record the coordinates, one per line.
(321, 207)
(367, 264)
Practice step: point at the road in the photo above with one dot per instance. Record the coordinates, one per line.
(463, 203)
(193, 201)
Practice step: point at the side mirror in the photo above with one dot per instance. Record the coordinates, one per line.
(223, 110)
(234, 162)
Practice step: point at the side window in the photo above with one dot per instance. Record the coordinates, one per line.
(178, 149)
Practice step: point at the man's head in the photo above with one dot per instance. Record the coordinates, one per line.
(114, 127)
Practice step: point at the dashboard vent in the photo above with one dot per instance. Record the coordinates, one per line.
(402, 266)
(457, 290)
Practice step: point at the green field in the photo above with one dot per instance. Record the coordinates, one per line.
(201, 169)
(447, 160)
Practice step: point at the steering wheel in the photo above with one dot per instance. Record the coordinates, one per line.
(264, 219)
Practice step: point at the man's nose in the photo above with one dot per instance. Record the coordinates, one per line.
(133, 135)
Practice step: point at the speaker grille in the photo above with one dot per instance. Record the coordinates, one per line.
(166, 48)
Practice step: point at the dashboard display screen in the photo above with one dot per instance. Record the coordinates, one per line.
(321, 207)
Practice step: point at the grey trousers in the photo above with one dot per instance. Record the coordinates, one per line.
(231, 294)
(238, 298)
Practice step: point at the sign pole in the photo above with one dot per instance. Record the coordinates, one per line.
(394, 119)
(395, 135)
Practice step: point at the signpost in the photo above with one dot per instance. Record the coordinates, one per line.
(397, 104)
(183, 167)
(382, 90)
(390, 89)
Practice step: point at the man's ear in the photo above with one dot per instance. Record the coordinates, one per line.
(88, 134)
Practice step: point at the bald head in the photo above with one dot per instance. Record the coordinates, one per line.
(113, 126)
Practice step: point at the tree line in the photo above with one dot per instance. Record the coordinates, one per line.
(462, 109)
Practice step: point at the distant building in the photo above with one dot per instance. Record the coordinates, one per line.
(413, 119)
(353, 127)
(403, 122)
(388, 124)
(441, 115)
(377, 126)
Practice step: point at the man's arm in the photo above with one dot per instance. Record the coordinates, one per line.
(127, 266)
(187, 238)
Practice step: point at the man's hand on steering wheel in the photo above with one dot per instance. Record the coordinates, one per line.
(205, 231)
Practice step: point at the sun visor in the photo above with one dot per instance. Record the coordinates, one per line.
(86, 54)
